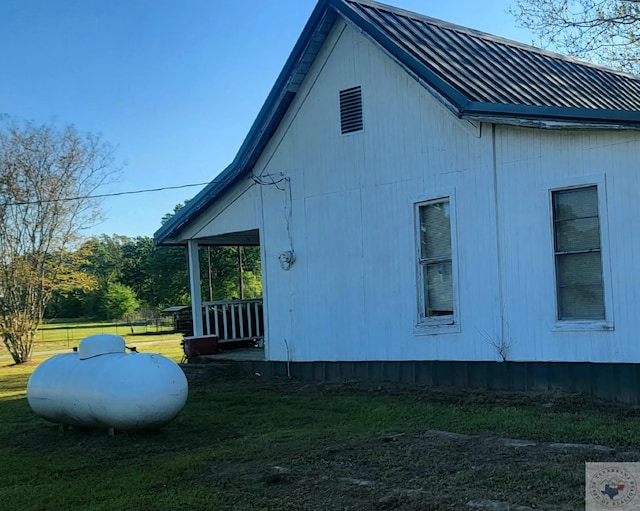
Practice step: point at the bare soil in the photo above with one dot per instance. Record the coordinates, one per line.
(437, 470)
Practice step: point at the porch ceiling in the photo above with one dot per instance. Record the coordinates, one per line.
(244, 238)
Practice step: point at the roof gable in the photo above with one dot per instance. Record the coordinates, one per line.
(476, 75)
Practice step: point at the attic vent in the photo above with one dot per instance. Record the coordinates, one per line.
(351, 110)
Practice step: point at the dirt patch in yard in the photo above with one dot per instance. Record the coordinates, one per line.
(433, 469)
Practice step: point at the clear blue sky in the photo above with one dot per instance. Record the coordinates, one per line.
(175, 84)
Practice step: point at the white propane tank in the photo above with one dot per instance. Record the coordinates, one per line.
(101, 385)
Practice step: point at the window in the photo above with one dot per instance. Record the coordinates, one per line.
(435, 263)
(351, 110)
(578, 257)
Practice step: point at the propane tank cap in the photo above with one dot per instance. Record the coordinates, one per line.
(100, 344)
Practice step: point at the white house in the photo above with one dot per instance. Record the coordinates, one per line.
(446, 195)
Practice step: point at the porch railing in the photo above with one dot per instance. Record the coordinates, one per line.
(234, 320)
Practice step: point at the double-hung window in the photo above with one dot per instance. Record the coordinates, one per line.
(580, 293)
(435, 263)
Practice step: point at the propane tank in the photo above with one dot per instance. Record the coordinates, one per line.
(101, 385)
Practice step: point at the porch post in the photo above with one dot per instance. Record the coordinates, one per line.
(194, 283)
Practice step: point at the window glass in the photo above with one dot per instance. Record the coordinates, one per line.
(580, 289)
(435, 259)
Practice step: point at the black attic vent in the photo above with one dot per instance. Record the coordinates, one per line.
(351, 110)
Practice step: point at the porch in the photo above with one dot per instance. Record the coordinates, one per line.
(232, 330)
(236, 323)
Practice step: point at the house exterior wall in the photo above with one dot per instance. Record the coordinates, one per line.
(530, 163)
(348, 203)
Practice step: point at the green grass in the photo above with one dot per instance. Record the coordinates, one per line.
(219, 453)
(62, 335)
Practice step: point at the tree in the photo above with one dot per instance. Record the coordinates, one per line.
(220, 272)
(169, 278)
(105, 258)
(119, 301)
(603, 31)
(75, 283)
(47, 177)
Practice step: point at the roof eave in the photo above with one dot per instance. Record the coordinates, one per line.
(551, 117)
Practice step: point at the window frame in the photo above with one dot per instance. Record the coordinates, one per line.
(437, 324)
(607, 323)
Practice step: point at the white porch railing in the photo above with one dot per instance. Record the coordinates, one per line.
(234, 320)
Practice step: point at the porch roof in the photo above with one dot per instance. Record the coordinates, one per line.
(477, 76)
(249, 238)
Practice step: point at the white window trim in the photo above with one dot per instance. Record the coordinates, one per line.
(607, 324)
(445, 324)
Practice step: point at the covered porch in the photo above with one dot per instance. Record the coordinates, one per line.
(236, 323)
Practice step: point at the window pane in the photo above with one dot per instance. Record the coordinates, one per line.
(578, 203)
(435, 231)
(580, 288)
(581, 302)
(579, 273)
(439, 289)
(578, 234)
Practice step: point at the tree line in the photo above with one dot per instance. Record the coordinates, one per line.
(116, 276)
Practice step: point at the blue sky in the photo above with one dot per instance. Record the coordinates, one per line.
(174, 84)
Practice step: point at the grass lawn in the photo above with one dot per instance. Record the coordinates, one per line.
(243, 443)
(58, 335)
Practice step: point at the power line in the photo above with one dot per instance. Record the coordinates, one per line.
(101, 196)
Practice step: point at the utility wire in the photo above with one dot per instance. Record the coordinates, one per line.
(115, 194)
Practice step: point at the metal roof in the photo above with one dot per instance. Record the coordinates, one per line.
(476, 75)
(484, 76)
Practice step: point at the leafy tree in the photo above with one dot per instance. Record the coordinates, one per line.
(220, 275)
(41, 169)
(105, 259)
(119, 301)
(169, 278)
(604, 31)
(157, 275)
(75, 283)
(101, 263)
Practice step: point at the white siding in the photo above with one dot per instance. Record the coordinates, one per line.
(237, 211)
(530, 163)
(352, 293)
